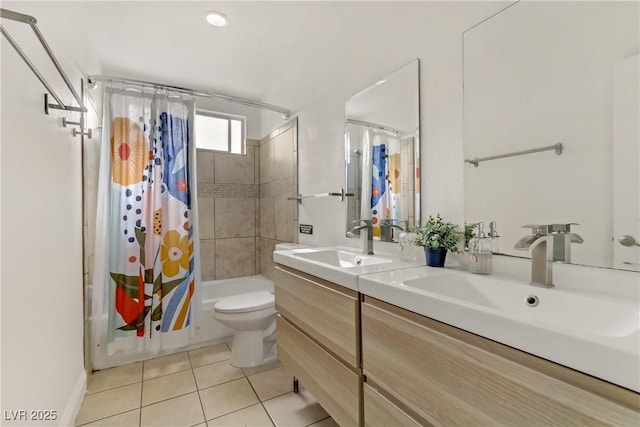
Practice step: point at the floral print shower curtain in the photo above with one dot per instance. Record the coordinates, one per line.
(149, 266)
(386, 188)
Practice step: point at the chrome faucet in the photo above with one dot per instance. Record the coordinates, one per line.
(367, 245)
(386, 227)
(547, 243)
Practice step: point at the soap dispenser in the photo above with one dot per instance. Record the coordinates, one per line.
(480, 255)
(494, 239)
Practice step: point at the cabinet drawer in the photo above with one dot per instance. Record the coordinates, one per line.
(334, 385)
(452, 377)
(380, 412)
(323, 310)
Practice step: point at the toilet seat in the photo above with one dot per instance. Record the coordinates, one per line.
(245, 303)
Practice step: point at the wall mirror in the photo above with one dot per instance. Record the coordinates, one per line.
(539, 74)
(382, 163)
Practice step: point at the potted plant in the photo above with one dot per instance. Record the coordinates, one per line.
(437, 237)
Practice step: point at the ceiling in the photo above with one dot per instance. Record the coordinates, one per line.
(283, 53)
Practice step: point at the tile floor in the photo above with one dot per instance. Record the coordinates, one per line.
(198, 388)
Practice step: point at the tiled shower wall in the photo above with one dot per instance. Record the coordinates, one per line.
(278, 182)
(242, 205)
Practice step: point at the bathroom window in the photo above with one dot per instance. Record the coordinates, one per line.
(220, 132)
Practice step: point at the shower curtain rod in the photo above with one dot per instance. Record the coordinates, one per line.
(374, 125)
(195, 92)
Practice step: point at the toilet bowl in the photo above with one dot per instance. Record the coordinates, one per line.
(252, 317)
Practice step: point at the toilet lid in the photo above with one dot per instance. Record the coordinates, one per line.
(243, 303)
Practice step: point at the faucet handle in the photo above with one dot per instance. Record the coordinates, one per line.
(538, 230)
(563, 228)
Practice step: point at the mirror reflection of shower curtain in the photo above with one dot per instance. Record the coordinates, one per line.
(386, 179)
(145, 284)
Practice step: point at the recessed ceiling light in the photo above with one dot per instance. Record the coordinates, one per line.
(216, 19)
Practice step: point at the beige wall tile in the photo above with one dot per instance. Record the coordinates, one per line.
(283, 218)
(204, 165)
(256, 164)
(267, 161)
(235, 257)
(283, 155)
(206, 209)
(267, 217)
(208, 259)
(235, 168)
(235, 217)
(267, 247)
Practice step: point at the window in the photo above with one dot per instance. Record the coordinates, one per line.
(220, 132)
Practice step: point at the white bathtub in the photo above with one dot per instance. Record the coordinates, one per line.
(213, 291)
(208, 330)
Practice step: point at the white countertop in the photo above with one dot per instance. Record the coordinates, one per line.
(345, 276)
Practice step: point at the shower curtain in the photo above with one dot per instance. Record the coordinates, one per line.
(145, 275)
(386, 186)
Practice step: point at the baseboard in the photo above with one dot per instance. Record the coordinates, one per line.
(70, 414)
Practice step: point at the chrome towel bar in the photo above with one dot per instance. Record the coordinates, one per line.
(555, 147)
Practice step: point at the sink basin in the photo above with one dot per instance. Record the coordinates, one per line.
(589, 322)
(346, 259)
(557, 308)
(339, 264)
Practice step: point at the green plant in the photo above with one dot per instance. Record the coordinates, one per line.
(436, 233)
(469, 232)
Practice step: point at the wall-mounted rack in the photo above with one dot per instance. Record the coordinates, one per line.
(555, 147)
(59, 105)
(342, 194)
(32, 22)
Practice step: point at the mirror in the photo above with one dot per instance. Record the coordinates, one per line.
(542, 73)
(382, 163)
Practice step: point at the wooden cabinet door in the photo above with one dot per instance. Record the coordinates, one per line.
(335, 386)
(380, 412)
(454, 378)
(323, 310)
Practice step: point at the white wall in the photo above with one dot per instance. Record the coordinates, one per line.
(559, 91)
(41, 266)
(438, 45)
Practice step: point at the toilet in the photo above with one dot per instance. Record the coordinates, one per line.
(252, 317)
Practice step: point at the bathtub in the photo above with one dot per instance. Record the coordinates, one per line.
(212, 291)
(208, 330)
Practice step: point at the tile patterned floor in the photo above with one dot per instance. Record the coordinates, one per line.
(198, 388)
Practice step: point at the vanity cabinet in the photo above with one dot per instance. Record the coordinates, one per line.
(318, 340)
(435, 374)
